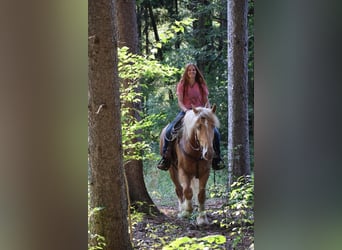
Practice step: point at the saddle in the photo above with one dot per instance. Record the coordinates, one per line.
(176, 134)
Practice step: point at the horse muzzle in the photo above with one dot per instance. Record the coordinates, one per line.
(207, 153)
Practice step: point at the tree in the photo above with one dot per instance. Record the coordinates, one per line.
(128, 36)
(238, 136)
(107, 187)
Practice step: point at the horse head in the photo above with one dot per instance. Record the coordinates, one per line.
(202, 122)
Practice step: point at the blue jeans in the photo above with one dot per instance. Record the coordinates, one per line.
(177, 121)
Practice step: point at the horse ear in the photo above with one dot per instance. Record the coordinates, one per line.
(213, 109)
(194, 109)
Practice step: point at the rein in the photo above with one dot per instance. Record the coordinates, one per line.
(189, 155)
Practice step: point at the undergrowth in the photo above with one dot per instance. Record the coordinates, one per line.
(239, 212)
(235, 218)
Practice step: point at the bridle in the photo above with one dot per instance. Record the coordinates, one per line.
(197, 143)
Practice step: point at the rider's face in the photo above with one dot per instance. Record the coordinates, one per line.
(192, 72)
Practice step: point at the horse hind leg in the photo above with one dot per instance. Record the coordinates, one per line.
(179, 192)
(178, 187)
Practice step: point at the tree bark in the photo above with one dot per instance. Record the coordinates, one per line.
(128, 36)
(238, 140)
(107, 188)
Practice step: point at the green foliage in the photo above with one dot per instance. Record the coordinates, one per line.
(139, 73)
(218, 191)
(95, 241)
(101, 244)
(136, 67)
(136, 216)
(207, 242)
(170, 32)
(240, 209)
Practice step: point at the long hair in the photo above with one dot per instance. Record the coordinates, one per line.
(198, 78)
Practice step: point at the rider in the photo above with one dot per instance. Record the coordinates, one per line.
(191, 90)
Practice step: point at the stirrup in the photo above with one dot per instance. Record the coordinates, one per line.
(163, 164)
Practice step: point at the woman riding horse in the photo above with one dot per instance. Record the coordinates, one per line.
(192, 90)
(192, 157)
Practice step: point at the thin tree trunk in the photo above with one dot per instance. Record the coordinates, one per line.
(147, 42)
(154, 27)
(107, 188)
(238, 140)
(223, 24)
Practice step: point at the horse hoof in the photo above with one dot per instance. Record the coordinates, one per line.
(184, 214)
(202, 219)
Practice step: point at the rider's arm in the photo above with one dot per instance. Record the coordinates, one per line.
(181, 104)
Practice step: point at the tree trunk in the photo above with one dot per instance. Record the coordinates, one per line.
(128, 36)
(154, 27)
(127, 25)
(223, 25)
(238, 141)
(107, 188)
(146, 28)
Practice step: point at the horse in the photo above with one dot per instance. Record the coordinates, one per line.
(191, 158)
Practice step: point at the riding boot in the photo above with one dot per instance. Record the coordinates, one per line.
(165, 161)
(170, 135)
(217, 163)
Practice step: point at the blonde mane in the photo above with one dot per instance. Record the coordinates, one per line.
(191, 118)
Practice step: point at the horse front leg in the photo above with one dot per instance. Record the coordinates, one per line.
(202, 216)
(186, 206)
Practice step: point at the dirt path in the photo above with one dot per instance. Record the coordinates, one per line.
(158, 231)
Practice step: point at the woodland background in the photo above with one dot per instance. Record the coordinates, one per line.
(155, 40)
(44, 78)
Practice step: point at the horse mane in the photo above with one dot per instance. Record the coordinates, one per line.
(191, 118)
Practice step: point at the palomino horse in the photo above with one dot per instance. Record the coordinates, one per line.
(191, 157)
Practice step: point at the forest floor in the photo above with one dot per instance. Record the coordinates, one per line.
(171, 232)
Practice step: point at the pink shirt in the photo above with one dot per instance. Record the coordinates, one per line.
(192, 95)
